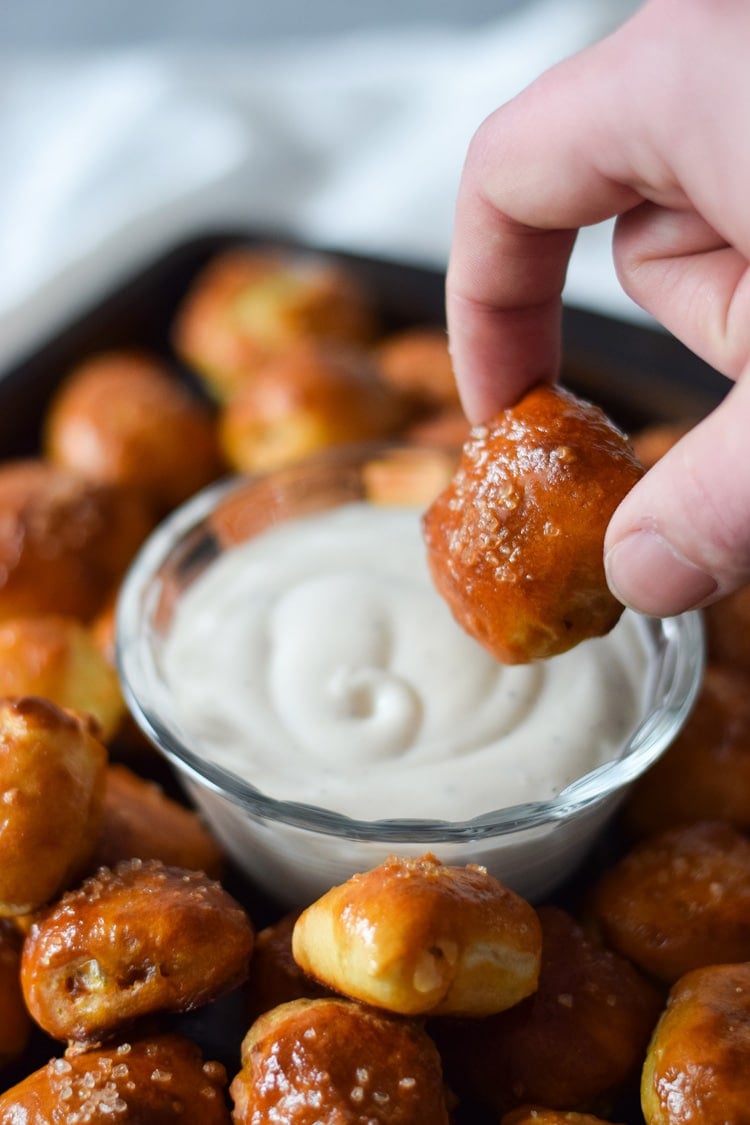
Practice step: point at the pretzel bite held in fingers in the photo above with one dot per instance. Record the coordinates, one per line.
(155, 1081)
(728, 631)
(416, 363)
(705, 773)
(129, 942)
(52, 768)
(129, 739)
(103, 629)
(446, 429)
(124, 419)
(305, 400)
(140, 821)
(415, 936)
(407, 476)
(698, 1064)
(64, 541)
(15, 1021)
(249, 304)
(515, 544)
(679, 901)
(573, 1045)
(57, 658)
(331, 1060)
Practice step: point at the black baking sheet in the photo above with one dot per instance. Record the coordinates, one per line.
(638, 374)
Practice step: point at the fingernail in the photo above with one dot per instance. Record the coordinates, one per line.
(645, 572)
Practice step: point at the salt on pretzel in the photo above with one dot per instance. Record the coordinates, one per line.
(415, 936)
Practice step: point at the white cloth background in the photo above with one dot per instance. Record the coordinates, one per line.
(353, 142)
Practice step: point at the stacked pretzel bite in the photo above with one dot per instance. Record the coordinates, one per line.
(394, 945)
(673, 908)
(418, 992)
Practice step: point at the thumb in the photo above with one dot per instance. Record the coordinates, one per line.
(681, 537)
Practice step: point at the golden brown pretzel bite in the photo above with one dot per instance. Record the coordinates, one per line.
(123, 418)
(15, 1021)
(572, 1045)
(249, 304)
(307, 399)
(679, 901)
(415, 936)
(51, 790)
(275, 977)
(698, 1063)
(156, 1081)
(139, 939)
(334, 1061)
(64, 541)
(515, 543)
(141, 822)
(705, 773)
(57, 658)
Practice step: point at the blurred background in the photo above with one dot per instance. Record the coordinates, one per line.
(128, 125)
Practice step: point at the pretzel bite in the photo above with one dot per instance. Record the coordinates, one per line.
(728, 631)
(123, 418)
(332, 1060)
(275, 977)
(573, 1045)
(64, 541)
(130, 739)
(651, 443)
(698, 1063)
(446, 429)
(248, 304)
(416, 363)
(103, 629)
(51, 789)
(141, 822)
(56, 657)
(155, 1081)
(129, 942)
(705, 773)
(303, 401)
(515, 543)
(415, 936)
(679, 901)
(15, 1022)
(536, 1115)
(406, 475)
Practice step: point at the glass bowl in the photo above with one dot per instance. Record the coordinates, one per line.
(295, 850)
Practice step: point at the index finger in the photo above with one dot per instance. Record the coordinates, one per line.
(533, 176)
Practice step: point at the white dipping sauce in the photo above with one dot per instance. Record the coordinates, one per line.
(318, 662)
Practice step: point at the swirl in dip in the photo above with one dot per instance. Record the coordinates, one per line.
(318, 662)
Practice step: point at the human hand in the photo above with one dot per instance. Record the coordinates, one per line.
(649, 125)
